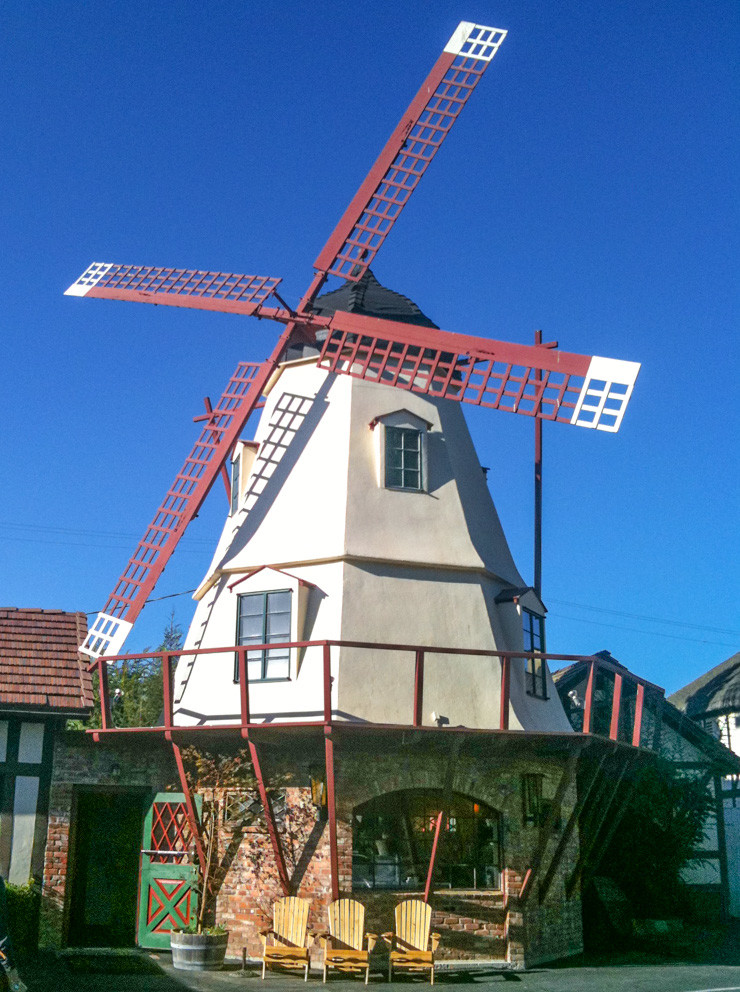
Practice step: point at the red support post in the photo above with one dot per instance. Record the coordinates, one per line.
(639, 703)
(167, 694)
(538, 378)
(616, 702)
(270, 820)
(524, 889)
(106, 721)
(435, 842)
(505, 691)
(190, 812)
(589, 699)
(419, 689)
(332, 812)
(243, 689)
(327, 683)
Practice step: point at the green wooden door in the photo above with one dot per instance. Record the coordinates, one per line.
(168, 890)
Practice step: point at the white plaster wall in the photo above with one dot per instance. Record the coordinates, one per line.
(205, 690)
(400, 567)
(454, 523)
(402, 605)
(24, 827)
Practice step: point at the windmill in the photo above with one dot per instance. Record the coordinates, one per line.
(539, 381)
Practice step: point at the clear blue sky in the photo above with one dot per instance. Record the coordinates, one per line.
(589, 189)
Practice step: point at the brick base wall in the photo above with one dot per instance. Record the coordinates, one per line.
(474, 925)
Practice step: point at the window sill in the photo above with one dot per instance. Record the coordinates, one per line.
(263, 681)
(537, 695)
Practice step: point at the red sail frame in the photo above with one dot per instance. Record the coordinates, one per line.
(378, 202)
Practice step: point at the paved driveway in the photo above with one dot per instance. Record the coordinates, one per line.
(48, 973)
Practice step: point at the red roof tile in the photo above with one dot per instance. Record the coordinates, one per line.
(40, 664)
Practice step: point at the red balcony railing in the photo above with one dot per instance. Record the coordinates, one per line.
(618, 678)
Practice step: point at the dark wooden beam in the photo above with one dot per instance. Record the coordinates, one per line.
(724, 874)
(568, 830)
(548, 826)
(602, 809)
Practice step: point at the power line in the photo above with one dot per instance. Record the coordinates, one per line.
(157, 599)
(648, 633)
(650, 619)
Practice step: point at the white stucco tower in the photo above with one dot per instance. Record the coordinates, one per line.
(360, 512)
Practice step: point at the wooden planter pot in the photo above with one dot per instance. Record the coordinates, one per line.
(198, 951)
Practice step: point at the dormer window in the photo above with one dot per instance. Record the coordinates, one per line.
(264, 618)
(270, 610)
(401, 451)
(403, 458)
(235, 484)
(531, 614)
(534, 640)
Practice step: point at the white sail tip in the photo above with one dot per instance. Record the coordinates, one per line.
(106, 636)
(475, 41)
(89, 278)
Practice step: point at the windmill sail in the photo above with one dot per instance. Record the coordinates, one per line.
(587, 391)
(227, 292)
(385, 191)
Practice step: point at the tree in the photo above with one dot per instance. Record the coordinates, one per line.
(662, 829)
(135, 686)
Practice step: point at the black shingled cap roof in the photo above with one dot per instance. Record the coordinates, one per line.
(368, 297)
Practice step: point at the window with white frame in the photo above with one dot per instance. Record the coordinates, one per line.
(264, 618)
(403, 458)
(534, 640)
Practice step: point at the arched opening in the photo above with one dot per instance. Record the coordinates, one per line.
(392, 838)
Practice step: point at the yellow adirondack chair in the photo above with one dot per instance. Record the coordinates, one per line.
(409, 945)
(343, 945)
(289, 936)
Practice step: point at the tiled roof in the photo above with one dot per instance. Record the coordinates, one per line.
(716, 691)
(40, 664)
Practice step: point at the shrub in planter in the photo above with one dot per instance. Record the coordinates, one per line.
(199, 951)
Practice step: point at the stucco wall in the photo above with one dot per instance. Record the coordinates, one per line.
(384, 566)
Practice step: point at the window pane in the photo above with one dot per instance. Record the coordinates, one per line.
(411, 480)
(411, 441)
(394, 458)
(250, 629)
(278, 665)
(394, 477)
(278, 602)
(254, 666)
(252, 605)
(393, 836)
(278, 627)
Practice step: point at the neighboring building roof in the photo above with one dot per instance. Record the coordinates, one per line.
(40, 663)
(717, 691)
(724, 760)
(367, 296)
